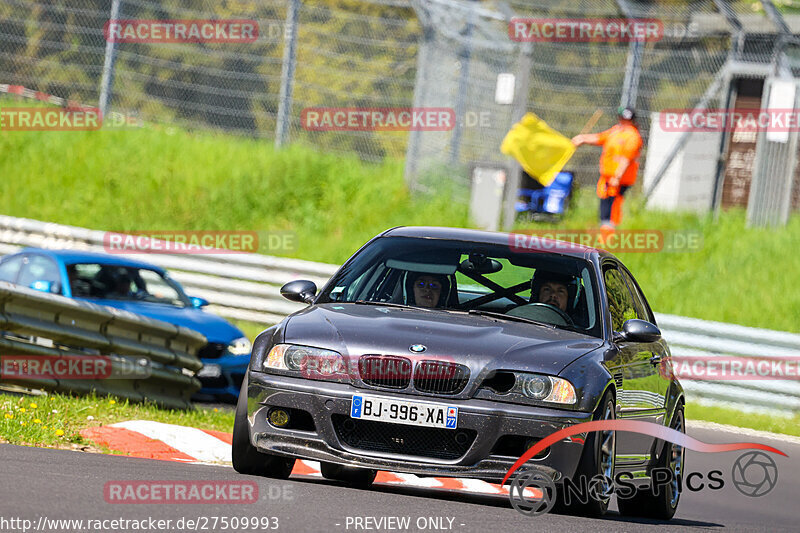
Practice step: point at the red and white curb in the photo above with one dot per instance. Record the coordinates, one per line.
(168, 442)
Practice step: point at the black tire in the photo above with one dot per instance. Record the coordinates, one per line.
(357, 477)
(594, 461)
(246, 458)
(645, 503)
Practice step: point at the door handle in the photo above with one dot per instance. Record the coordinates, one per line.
(656, 359)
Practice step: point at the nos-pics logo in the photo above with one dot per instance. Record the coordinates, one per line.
(532, 493)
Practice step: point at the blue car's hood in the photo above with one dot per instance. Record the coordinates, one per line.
(216, 329)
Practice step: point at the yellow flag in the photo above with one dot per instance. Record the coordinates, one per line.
(541, 150)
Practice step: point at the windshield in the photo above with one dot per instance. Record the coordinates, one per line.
(457, 276)
(114, 282)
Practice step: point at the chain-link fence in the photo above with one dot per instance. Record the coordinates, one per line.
(384, 54)
(347, 53)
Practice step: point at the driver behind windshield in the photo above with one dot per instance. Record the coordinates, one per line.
(122, 286)
(554, 293)
(557, 290)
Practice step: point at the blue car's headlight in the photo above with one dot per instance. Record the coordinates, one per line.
(240, 346)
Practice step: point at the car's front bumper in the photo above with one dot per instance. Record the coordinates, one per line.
(489, 420)
(227, 376)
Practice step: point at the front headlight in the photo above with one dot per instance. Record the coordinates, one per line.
(310, 362)
(240, 346)
(546, 388)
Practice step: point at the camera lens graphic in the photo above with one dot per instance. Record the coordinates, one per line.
(754, 474)
(531, 504)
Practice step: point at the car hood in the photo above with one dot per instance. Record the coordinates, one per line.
(482, 343)
(215, 328)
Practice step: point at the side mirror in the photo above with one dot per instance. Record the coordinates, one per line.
(300, 290)
(53, 287)
(198, 302)
(636, 330)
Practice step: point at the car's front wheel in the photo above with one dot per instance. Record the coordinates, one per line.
(662, 504)
(246, 458)
(595, 469)
(358, 477)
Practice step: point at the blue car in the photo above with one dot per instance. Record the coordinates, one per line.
(141, 288)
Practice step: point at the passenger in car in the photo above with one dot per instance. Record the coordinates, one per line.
(428, 290)
(424, 289)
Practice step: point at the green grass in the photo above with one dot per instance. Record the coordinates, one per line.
(788, 425)
(55, 420)
(250, 329)
(166, 179)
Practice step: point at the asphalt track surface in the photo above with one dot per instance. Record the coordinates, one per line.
(61, 484)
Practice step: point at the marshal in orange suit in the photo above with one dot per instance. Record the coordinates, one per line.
(619, 164)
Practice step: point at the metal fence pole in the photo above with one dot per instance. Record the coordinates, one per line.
(421, 85)
(108, 64)
(520, 107)
(287, 74)
(463, 87)
(731, 94)
(633, 67)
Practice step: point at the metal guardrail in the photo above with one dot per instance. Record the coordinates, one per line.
(691, 337)
(149, 359)
(246, 286)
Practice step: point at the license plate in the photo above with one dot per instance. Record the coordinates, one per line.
(404, 412)
(210, 371)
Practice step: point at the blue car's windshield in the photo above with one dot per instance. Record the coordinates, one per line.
(114, 282)
(550, 288)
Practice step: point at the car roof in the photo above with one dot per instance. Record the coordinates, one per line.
(71, 257)
(493, 237)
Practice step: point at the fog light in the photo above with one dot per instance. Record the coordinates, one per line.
(461, 438)
(530, 443)
(278, 418)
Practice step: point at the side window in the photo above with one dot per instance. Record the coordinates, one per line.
(620, 302)
(639, 303)
(81, 279)
(39, 268)
(156, 286)
(9, 269)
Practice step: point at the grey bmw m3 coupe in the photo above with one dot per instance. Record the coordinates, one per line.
(450, 352)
